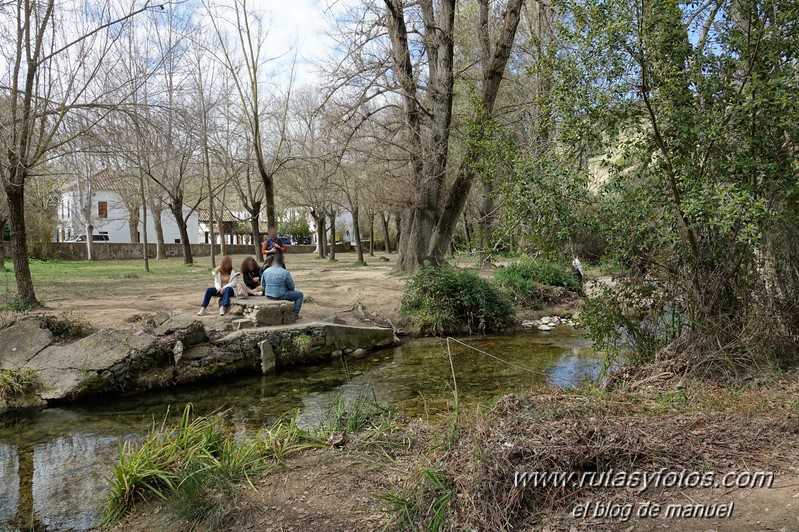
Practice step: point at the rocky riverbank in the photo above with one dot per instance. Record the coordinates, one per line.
(169, 350)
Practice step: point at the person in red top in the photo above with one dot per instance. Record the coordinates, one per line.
(273, 246)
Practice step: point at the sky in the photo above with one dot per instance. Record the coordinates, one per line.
(300, 25)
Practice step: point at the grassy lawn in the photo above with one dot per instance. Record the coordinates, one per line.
(56, 279)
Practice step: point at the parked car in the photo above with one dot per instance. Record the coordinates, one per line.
(286, 240)
(82, 238)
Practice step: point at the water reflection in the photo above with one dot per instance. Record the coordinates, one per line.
(69, 480)
(53, 464)
(9, 483)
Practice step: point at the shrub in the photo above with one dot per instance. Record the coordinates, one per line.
(65, 326)
(447, 301)
(527, 282)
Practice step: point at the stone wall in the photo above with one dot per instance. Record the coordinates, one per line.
(115, 251)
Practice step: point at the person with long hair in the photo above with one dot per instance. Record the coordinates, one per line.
(225, 280)
(251, 275)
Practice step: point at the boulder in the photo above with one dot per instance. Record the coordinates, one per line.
(543, 327)
(267, 357)
(21, 342)
(177, 351)
(189, 330)
(527, 324)
(99, 362)
(545, 320)
(358, 353)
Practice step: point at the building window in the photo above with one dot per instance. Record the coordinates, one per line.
(177, 241)
(102, 209)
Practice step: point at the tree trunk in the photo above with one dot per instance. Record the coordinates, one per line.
(372, 235)
(133, 223)
(386, 238)
(160, 243)
(177, 211)
(398, 223)
(418, 224)
(89, 241)
(494, 60)
(222, 239)
(486, 218)
(356, 227)
(144, 222)
(19, 242)
(156, 208)
(255, 222)
(2, 244)
(468, 229)
(319, 222)
(333, 237)
(269, 189)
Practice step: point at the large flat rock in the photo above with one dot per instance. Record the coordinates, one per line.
(97, 352)
(21, 342)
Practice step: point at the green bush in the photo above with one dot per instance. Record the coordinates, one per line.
(527, 281)
(448, 301)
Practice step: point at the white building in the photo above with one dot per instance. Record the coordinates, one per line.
(110, 216)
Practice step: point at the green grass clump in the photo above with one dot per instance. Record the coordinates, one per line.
(65, 326)
(16, 383)
(303, 343)
(374, 424)
(197, 466)
(444, 300)
(526, 281)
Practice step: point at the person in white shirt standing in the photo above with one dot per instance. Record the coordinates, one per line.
(579, 267)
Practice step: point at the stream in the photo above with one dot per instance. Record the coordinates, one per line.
(53, 462)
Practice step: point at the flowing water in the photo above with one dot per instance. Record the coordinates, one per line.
(53, 463)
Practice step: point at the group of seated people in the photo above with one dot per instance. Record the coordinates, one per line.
(272, 281)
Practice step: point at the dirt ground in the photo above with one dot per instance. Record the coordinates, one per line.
(359, 295)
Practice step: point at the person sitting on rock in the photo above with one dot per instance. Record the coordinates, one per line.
(278, 284)
(251, 277)
(225, 280)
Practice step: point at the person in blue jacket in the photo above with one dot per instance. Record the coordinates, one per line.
(278, 284)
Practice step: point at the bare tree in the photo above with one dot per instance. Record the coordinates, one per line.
(245, 62)
(49, 68)
(407, 52)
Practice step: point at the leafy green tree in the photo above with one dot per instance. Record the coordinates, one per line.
(692, 111)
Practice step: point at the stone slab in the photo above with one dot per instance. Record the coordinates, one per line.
(21, 342)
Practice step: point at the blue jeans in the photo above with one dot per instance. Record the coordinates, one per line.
(293, 295)
(227, 293)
